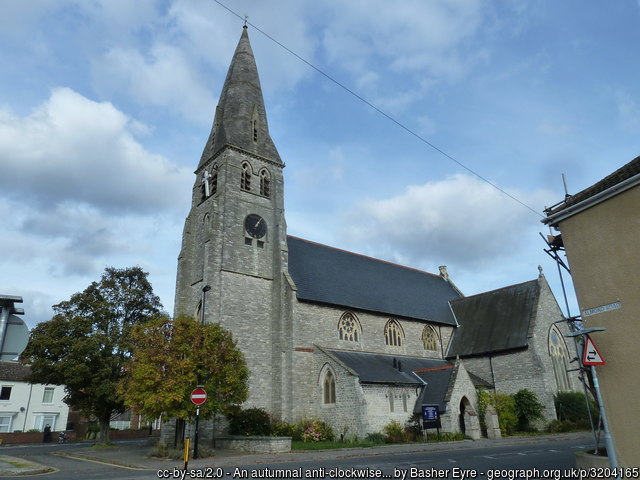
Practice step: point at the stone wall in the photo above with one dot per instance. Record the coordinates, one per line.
(347, 416)
(318, 324)
(255, 444)
(379, 400)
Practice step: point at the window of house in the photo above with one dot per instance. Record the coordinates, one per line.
(255, 130)
(393, 334)
(391, 406)
(265, 183)
(404, 401)
(5, 393)
(430, 339)
(47, 396)
(245, 178)
(559, 359)
(5, 423)
(349, 328)
(42, 419)
(329, 388)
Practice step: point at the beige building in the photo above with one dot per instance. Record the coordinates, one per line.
(600, 230)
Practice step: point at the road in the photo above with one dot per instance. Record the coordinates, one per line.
(462, 463)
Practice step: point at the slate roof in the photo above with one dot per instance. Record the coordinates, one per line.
(414, 371)
(329, 275)
(13, 372)
(495, 321)
(625, 172)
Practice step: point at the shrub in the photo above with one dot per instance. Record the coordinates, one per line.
(376, 437)
(507, 416)
(572, 407)
(485, 398)
(252, 421)
(282, 429)
(446, 437)
(528, 409)
(394, 432)
(413, 427)
(314, 430)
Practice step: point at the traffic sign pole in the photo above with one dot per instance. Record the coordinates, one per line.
(198, 397)
(195, 439)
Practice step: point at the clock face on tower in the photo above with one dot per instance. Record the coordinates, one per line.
(255, 225)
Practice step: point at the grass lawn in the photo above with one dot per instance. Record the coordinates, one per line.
(329, 445)
(334, 444)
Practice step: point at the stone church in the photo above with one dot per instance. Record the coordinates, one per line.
(335, 335)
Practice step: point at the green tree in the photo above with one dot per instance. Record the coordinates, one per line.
(528, 408)
(85, 345)
(171, 357)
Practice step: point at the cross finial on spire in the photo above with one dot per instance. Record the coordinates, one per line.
(246, 17)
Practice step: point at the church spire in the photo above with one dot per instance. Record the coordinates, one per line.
(241, 118)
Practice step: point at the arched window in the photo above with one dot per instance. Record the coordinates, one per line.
(329, 388)
(559, 359)
(390, 395)
(213, 181)
(245, 179)
(349, 328)
(265, 183)
(393, 334)
(254, 123)
(430, 338)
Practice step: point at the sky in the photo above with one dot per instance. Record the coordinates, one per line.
(106, 105)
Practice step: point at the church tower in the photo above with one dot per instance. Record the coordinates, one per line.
(233, 260)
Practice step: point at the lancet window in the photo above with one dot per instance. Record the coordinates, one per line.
(393, 334)
(245, 178)
(329, 388)
(430, 339)
(265, 183)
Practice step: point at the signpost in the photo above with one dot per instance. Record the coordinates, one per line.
(431, 418)
(590, 353)
(198, 397)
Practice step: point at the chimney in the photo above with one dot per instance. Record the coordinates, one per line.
(443, 272)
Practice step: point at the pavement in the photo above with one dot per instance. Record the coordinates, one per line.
(137, 456)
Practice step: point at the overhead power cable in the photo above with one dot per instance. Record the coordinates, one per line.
(381, 112)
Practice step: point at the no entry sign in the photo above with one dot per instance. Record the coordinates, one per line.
(198, 396)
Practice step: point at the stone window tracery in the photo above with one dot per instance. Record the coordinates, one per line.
(245, 178)
(349, 328)
(559, 359)
(430, 339)
(265, 183)
(393, 334)
(329, 388)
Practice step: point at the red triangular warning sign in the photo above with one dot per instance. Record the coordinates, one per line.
(590, 354)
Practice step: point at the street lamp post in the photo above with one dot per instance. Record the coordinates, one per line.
(205, 289)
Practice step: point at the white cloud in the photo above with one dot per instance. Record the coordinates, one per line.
(458, 221)
(414, 35)
(72, 149)
(165, 78)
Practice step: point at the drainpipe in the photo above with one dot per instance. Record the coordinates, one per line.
(26, 412)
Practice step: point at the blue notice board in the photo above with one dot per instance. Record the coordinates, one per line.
(431, 416)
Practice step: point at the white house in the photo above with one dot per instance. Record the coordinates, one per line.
(25, 406)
